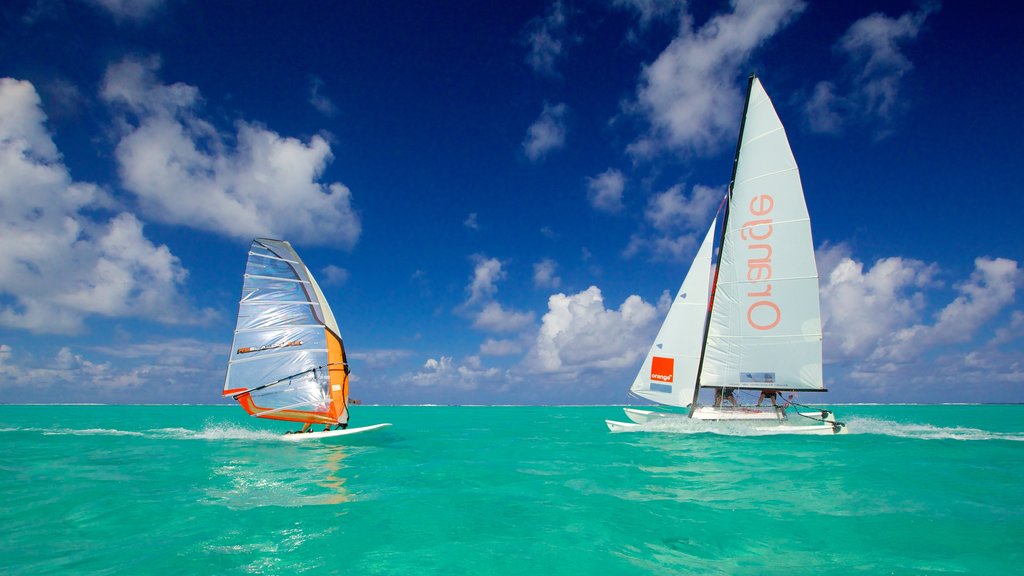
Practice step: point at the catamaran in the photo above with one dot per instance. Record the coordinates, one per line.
(754, 323)
(288, 360)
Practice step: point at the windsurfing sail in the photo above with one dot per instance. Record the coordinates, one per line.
(287, 359)
(765, 324)
(669, 373)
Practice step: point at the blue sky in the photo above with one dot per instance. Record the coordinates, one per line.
(498, 198)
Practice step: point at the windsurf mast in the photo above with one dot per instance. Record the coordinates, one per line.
(721, 242)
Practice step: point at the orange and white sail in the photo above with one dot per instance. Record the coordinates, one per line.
(287, 359)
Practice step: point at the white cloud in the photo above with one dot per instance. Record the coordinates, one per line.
(859, 308)
(173, 370)
(483, 285)
(135, 10)
(544, 275)
(547, 133)
(879, 345)
(380, 357)
(578, 333)
(546, 39)
(689, 94)
(991, 287)
(471, 222)
(480, 304)
(876, 67)
(334, 275)
(253, 183)
(676, 222)
(605, 191)
(490, 347)
(59, 265)
(444, 371)
(671, 210)
(1011, 332)
(319, 100)
(495, 318)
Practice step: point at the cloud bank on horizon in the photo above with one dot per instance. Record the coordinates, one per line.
(98, 300)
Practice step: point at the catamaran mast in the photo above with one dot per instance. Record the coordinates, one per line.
(721, 243)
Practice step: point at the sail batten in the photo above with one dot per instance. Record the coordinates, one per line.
(276, 278)
(287, 349)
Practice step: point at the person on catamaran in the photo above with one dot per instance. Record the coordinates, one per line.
(725, 394)
(770, 395)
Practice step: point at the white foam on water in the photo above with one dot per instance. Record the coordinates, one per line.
(216, 432)
(209, 432)
(86, 432)
(925, 431)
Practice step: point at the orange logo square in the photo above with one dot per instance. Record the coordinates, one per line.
(662, 369)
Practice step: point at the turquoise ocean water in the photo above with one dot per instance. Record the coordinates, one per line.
(507, 490)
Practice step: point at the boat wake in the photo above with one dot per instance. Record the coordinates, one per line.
(925, 431)
(211, 432)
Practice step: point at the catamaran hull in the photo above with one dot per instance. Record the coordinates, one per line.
(333, 435)
(645, 416)
(825, 429)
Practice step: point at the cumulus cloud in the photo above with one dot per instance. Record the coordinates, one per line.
(493, 317)
(544, 274)
(172, 370)
(880, 341)
(991, 287)
(547, 133)
(578, 333)
(444, 371)
(471, 222)
(875, 70)
(859, 307)
(483, 285)
(605, 191)
(59, 265)
(689, 94)
(252, 183)
(546, 39)
(487, 313)
(675, 222)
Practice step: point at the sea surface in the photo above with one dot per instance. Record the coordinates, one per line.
(507, 490)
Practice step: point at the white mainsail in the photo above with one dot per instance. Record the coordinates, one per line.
(765, 329)
(669, 373)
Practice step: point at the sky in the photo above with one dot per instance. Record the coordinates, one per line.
(499, 199)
